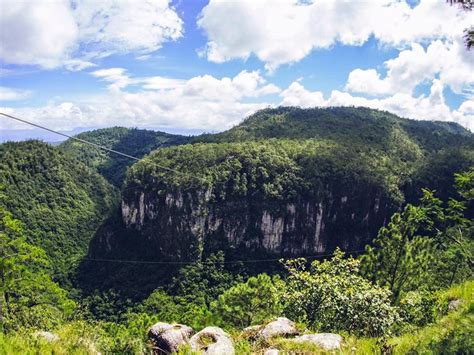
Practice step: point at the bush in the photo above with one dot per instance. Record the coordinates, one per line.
(251, 302)
(419, 308)
(332, 296)
(450, 334)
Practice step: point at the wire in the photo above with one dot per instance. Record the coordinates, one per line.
(218, 262)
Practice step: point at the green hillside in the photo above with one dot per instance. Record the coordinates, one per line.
(60, 200)
(135, 142)
(359, 124)
(432, 149)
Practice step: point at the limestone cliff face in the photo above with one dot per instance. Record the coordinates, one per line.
(183, 224)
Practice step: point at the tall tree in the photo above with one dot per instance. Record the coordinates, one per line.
(466, 5)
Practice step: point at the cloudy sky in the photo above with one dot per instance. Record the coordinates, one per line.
(194, 66)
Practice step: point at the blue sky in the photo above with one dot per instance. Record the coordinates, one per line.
(203, 66)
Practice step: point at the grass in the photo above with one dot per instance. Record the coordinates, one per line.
(451, 334)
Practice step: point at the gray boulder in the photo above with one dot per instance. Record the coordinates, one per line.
(281, 327)
(454, 304)
(167, 338)
(48, 336)
(271, 351)
(212, 341)
(326, 341)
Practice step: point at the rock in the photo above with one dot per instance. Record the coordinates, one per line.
(271, 352)
(327, 341)
(454, 304)
(48, 336)
(212, 341)
(281, 327)
(167, 338)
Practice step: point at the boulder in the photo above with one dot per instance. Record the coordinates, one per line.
(281, 327)
(212, 341)
(326, 341)
(48, 336)
(167, 338)
(271, 351)
(454, 304)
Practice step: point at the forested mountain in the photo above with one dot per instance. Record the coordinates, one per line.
(295, 182)
(200, 243)
(352, 124)
(132, 141)
(60, 201)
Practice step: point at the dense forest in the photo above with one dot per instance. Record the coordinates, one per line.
(134, 142)
(219, 230)
(58, 199)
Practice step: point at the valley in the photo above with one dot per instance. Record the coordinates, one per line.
(180, 234)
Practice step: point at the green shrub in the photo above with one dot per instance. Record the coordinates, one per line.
(332, 296)
(250, 302)
(420, 308)
(450, 334)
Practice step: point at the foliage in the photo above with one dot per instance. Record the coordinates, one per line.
(134, 142)
(453, 334)
(59, 200)
(332, 296)
(28, 296)
(251, 302)
(419, 308)
(424, 247)
(400, 259)
(274, 158)
(203, 281)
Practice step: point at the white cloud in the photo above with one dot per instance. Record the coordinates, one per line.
(34, 32)
(126, 26)
(203, 102)
(10, 94)
(285, 31)
(211, 104)
(431, 107)
(74, 33)
(78, 64)
(449, 61)
(297, 95)
(115, 76)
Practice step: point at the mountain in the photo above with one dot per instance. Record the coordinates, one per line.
(59, 199)
(285, 182)
(134, 142)
(354, 124)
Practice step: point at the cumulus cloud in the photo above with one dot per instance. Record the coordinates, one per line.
(292, 29)
(10, 94)
(297, 95)
(202, 102)
(73, 33)
(450, 61)
(126, 26)
(423, 107)
(34, 32)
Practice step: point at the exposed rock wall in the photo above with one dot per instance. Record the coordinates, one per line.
(181, 224)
